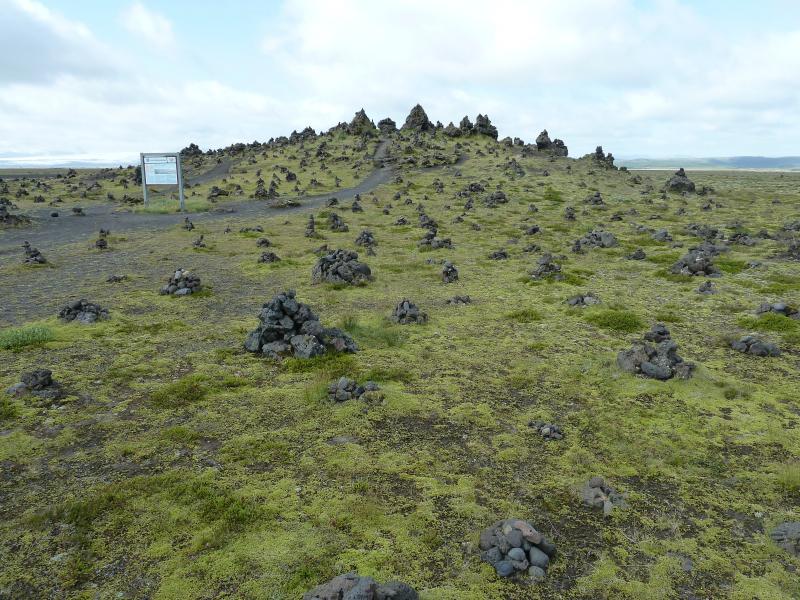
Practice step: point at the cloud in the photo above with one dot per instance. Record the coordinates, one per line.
(151, 26)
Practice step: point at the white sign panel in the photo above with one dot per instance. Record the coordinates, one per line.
(161, 170)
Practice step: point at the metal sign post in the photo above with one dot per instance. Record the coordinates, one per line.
(162, 168)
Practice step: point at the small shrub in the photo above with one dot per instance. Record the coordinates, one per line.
(616, 320)
(731, 265)
(768, 322)
(524, 315)
(788, 477)
(15, 338)
(8, 410)
(668, 316)
(186, 390)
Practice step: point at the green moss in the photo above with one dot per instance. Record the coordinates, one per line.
(187, 390)
(524, 315)
(768, 322)
(616, 320)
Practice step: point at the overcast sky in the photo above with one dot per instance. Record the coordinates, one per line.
(645, 78)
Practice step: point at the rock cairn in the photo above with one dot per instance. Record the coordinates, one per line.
(548, 431)
(355, 587)
(597, 494)
(459, 300)
(594, 239)
(365, 238)
(547, 268)
(311, 229)
(429, 240)
(637, 254)
(9, 220)
(39, 383)
(181, 283)
(656, 357)
(499, 255)
(680, 182)
(707, 287)
(336, 223)
(696, 262)
(407, 312)
(341, 267)
(751, 344)
(347, 389)
(583, 300)
(268, 257)
(289, 327)
(32, 255)
(780, 308)
(595, 199)
(82, 311)
(449, 272)
(516, 550)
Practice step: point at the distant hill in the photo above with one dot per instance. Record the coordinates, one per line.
(790, 163)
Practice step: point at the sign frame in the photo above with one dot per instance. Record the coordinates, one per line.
(177, 156)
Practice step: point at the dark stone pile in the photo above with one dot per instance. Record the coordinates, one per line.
(187, 224)
(263, 243)
(336, 223)
(483, 126)
(659, 361)
(355, 587)
(407, 312)
(341, 267)
(595, 199)
(311, 230)
(569, 213)
(548, 431)
(696, 262)
(268, 257)
(199, 242)
(449, 272)
(82, 311)
(637, 254)
(787, 536)
(459, 300)
(597, 494)
(780, 308)
(365, 238)
(680, 182)
(499, 255)
(434, 243)
(583, 300)
(39, 383)
(495, 198)
(347, 389)
(32, 255)
(707, 287)
(595, 239)
(361, 125)
(547, 268)
(556, 146)
(602, 159)
(9, 220)
(515, 549)
(181, 283)
(288, 327)
(754, 345)
(387, 126)
(662, 235)
(417, 120)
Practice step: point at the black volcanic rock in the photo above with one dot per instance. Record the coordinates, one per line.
(417, 120)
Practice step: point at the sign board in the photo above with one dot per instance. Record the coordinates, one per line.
(162, 168)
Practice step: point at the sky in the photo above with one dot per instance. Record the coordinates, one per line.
(104, 80)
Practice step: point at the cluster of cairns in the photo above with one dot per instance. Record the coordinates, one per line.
(348, 389)
(82, 311)
(656, 357)
(341, 267)
(680, 182)
(39, 383)
(32, 255)
(406, 312)
(449, 272)
(547, 268)
(548, 431)
(597, 494)
(181, 283)
(9, 220)
(355, 587)
(751, 344)
(594, 239)
(516, 550)
(288, 327)
(696, 262)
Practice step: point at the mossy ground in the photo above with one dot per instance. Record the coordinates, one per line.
(180, 466)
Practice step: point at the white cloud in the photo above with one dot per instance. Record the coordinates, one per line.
(153, 27)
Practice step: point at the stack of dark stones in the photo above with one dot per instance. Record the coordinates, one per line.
(39, 383)
(569, 213)
(751, 344)
(311, 229)
(594, 239)
(347, 389)
(336, 223)
(548, 431)
(680, 182)
(696, 262)
(449, 272)
(187, 224)
(595, 199)
(288, 327)
(780, 308)
(407, 312)
(656, 357)
(583, 300)
(9, 220)
(365, 238)
(516, 550)
(268, 257)
(547, 268)
(341, 267)
(597, 494)
(356, 207)
(495, 198)
(83, 311)
(355, 587)
(429, 240)
(459, 300)
(181, 283)
(199, 242)
(637, 254)
(499, 255)
(32, 255)
(263, 243)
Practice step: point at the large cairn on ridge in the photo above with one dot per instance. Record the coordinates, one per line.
(83, 311)
(289, 327)
(181, 283)
(341, 267)
(555, 147)
(417, 120)
(656, 360)
(355, 587)
(680, 182)
(515, 549)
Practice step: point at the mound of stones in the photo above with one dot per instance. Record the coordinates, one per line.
(459, 300)
(544, 144)
(597, 494)
(595, 199)
(82, 311)
(707, 287)
(680, 182)
(499, 255)
(548, 431)
(780, 308)
(311, 230)
(407, 312)
(751, 344)
(39, 383)
(9, 220)
(547, 268)
(181, 283)
(637, 254)
(32, 255)
(449, 272)
(341, 267)
(583, 300)
(696, 262)
(365, 238)
(417, 120)
(429, 240)
(355, 587)
(787, 536)
(516, 550)
(656, 357)
(336, 223)
(595, 239)
(347, 389)
(288, 327)
(387, 126)
(268, 257)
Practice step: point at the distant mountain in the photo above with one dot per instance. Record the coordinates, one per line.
(789, 163)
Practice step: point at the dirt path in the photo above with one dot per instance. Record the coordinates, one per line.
(48, 232)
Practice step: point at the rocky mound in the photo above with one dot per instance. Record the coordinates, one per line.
(32, 255)
(780, 308)
(365, 238)
(459, 300)
(787, 536)
(595, 199)
(659, 361)
(483, 126)
(407, 312)
(637, 254)
(751, 344)
(695, 262)
(547, 268)
(449, 272)
(515, 549)
(268, 257)
(387, 126)
(680, 182)
(39, 383)
(347, 389)
(82, 311)
(597, 494)
(548, 431)
(9, 220)
(355, 587)
(341, 267)
(555, 147)
(594, 239)
(417, 120)
(181, 283)
(336, 223)
(362, 125)
(288, 327)
(434, 243)
(583, 300)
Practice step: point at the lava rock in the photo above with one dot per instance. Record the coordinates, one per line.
(780, 308)
(680, 182)
(336, 223)
(449, 272)
(548, 431)
(597, 494)
(547, 268)
(751, 344)
(696, 262)
(516, 550)
(595, 199)
(417, 120)
(637, 254)
(659, 361)
(583, 300)
(407, 312)
(181, 283)
(32, 255)
(268, 257)
(83, 311)
(595, 239)
(39, 383)
(341, 267)
(787, 536)
(355, 587)
(347, 389)
(459, 300)
(707, 287)
(365, 238)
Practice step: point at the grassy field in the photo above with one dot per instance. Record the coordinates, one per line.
(180, 466)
